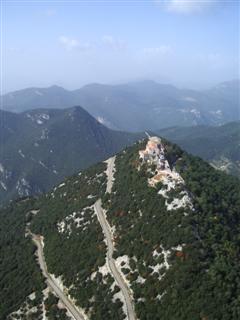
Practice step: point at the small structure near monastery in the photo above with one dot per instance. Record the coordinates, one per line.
(154, 153)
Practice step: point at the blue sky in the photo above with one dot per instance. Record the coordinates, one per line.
(184, 42)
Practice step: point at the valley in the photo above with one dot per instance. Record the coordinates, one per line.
(218, 145)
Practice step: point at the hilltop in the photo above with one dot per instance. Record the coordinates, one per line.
(165, 222)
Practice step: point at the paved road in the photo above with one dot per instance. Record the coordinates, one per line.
(108, 235)
(117, 276)
(50, 281)
(112, 266)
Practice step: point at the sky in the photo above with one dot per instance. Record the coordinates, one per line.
(187, 43)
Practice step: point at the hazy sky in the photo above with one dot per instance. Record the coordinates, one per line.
(71, 43)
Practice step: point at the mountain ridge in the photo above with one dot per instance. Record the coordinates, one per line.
(175, 225)
(137, 106)
(40, 147)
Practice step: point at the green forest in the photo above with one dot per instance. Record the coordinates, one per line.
(200, 281)
(203, 280)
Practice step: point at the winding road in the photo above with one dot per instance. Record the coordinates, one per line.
(52, 283)
(77, 315)
(110, 248)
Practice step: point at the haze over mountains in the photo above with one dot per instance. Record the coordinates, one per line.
(39, 147)
(137, 106)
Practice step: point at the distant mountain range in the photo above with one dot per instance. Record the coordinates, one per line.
(218, 145)
(137, 106)
(39, 148)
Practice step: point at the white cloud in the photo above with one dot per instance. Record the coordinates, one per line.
(113, 43)
(69, 43)
(73, 43)
(185, 6)
(156, 51)
(108, 42)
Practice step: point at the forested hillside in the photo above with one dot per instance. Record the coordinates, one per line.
(175, 227)
(39, 148)
(19, 272)
(72, 254)
(182, 257)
